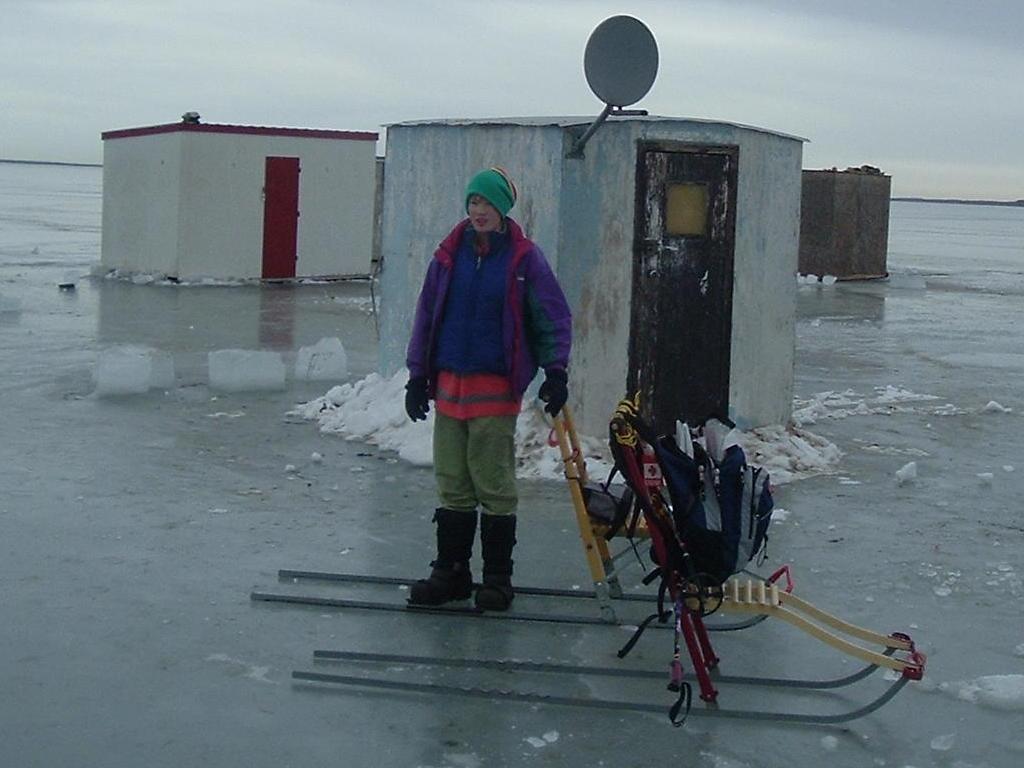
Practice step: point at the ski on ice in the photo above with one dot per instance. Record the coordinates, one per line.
(677, 711)
(341, 602)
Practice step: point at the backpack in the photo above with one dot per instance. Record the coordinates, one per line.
(608, 503)
(721, 509)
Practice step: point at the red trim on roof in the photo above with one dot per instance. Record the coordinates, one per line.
(251, 130)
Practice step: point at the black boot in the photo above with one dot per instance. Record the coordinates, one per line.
(497, 537)
(450, 578)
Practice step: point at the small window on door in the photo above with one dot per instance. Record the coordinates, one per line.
(686, 210)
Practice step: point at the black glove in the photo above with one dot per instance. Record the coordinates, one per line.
(554, 391)
(417, 404)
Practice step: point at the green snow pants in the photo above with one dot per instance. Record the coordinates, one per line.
(475, 463)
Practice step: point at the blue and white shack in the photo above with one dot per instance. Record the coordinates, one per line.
(675, 240)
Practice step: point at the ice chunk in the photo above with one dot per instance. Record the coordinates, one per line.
(132, 370)
(993, 407)
(123, 371)
(986, 478)
(906, 473)
(943, 743)
(324, 361)
(828, 280)
(240, 370)
(1002, 692)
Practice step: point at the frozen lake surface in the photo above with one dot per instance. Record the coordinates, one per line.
(132, 529)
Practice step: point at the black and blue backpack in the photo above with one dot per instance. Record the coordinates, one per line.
(721, 509)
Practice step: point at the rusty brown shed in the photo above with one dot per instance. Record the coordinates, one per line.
(844, 223)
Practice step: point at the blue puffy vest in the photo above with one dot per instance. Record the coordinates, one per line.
(470, 337)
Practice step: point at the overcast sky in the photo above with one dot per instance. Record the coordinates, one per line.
(930, 92)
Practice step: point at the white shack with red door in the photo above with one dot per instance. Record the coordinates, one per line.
(192, 201)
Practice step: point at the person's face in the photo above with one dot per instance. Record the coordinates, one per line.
(482, 215)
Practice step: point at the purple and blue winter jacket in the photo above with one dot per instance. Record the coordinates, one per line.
(536, 325)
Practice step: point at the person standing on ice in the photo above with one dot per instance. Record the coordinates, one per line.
(490, 313)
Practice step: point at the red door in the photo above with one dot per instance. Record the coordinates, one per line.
(280, 217)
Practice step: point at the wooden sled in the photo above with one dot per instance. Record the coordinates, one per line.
(755, 598)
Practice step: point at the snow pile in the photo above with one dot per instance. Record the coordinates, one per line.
(885, 400)
(789, 453)
(243, 370)
(1003, 692)
(132, 370)
(538, 455)
(324, 361)
(810, 279)
(373, 410)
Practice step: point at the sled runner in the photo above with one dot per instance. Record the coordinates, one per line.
(409, 673)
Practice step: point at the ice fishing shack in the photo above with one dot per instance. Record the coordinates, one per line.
(844, 223)
(192, 200)
(675, 240)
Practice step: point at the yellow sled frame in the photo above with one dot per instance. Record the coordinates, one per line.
(601, 561)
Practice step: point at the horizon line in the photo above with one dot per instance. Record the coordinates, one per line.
(1019, 202)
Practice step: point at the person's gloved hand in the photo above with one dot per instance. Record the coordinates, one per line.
(417, 404)
(554, 391)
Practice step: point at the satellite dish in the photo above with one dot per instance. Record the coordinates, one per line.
(621, 61)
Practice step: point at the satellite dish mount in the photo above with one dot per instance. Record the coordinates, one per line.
(620, 64)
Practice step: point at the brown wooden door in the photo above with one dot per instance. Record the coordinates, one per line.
(280, 217)
(681, 321)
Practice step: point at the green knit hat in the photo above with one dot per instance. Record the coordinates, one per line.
(495, 186)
